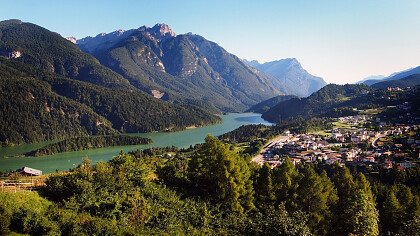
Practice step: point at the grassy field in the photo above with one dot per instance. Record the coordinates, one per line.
(339, 124)
(321, 133)
(371, 111)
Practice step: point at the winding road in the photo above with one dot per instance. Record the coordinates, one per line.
(259, 159)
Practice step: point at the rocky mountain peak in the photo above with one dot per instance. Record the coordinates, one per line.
(292, 62)
(289, 76)
(162, 30)
(72, 39)
(119, 32)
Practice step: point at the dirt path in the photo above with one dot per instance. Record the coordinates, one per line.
(259, 157)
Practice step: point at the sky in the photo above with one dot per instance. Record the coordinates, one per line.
(342, 41)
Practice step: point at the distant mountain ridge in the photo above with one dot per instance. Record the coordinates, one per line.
(409, 81)
(371, 79)
(331, 99)
(289, 76)
(184, 68)
(393, 76)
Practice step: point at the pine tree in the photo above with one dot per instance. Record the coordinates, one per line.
(316, 195)
(285, 183)
(263, 186)
(222, 175)
(362, 216)
(390, 213)
(344, 183)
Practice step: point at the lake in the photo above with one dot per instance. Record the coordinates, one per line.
(68, 160)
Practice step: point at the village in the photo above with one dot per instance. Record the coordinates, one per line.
(349, 143)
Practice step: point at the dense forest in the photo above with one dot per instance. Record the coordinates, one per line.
(83, 143)
(340, 100)
(214, 190)
(409, 81)
(32, 112)
(249, 133)
(267, 104)
(53, 90)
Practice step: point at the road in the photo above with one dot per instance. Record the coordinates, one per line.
(376, 139)
(259, 157)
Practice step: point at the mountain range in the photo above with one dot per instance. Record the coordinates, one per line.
(371, 79)
(409, 81)
(395, 76)
(289, 77)
(186, 68)
(142, 80)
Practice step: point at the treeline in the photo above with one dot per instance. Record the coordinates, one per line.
(339, 100)
(212, 191)
(250, 133)
(83, 143)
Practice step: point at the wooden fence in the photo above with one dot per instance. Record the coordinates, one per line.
(21, 184)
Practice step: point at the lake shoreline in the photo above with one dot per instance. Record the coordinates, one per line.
(67, 160)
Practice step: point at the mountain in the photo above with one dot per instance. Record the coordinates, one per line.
(409, 81)
(403, 74)
(289, 77)
(330, 100)
(31, 112)
(50, 89)
(395, 76)
(269, 103)
(184, 68)
(342, 100)
(371, 79)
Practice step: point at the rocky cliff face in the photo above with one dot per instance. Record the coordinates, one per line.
(290, 77)
(186, 68)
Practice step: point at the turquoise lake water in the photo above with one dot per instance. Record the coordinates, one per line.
(68, 160)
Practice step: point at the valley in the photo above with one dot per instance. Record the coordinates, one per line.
(157, 130)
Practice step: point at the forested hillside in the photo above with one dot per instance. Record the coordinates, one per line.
(32, 112)
(339, 100)
(409, 81)
(269, 103)
(52, 90)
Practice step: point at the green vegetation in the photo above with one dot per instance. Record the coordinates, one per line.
(55, 91)
(331, 101)
(267, 104)
(212, 190)
(32, 112)
(248, 133)
(83, 143)
(409, 81)
(328, 102)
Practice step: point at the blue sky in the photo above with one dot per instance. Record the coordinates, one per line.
(342, 41)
